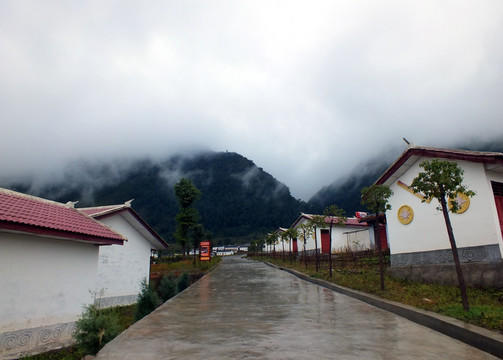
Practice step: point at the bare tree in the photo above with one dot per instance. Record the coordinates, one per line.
(375, 198)
(336, 217)
(317, 221)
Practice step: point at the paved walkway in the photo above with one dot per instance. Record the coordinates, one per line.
(248, 310)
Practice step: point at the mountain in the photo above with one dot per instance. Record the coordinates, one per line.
(346, 192)
(239, 200)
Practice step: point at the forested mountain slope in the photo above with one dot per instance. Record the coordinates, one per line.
(239, 200)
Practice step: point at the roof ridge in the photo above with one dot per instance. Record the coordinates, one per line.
(464, 151)
(33, 197)
(447, 153)
(100, 207)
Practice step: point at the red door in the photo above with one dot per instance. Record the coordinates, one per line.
(384, 238)
(295, 246)
(325, 241)
(498, 198)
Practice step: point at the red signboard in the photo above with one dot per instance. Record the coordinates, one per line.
(204, 251)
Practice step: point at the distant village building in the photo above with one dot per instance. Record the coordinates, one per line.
(352, 236)
(228, 250)
(420, 249)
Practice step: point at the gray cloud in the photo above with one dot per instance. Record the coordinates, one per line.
(306, 90)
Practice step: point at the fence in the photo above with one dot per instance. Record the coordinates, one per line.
(345, 259)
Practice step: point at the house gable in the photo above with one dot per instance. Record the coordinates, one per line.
(132, 217)
(122, 269)
(492, 160)
(416, 229)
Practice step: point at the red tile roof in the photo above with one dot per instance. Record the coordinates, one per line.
(348, 222)
(32, 214)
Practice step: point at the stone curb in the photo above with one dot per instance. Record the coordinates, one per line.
(475, 336)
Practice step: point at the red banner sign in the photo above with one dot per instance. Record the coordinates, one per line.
(204, 251)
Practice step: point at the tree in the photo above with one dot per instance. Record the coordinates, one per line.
(337, 217)
(167, 287)
(148, 300)
(375, 198)
(283, 237)
(443, 180)
(186, 194)
(183, 282)
(95, 328)
(291, 234)
(305, 231)
(260, 244)
(317, 221)
(256, 246)
(271, 240)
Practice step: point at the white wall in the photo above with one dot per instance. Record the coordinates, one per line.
(357, 239)
(340, 240)
(43, 281)
(427, 231)
(121, 268)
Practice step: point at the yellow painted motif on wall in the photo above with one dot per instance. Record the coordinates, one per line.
(407, 187)
(405, 214)
(463, 202)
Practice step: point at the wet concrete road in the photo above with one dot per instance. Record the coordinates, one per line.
(248, 310)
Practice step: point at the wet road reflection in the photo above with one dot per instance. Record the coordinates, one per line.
(248, 310)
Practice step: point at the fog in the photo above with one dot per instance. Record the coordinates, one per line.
(307, 90)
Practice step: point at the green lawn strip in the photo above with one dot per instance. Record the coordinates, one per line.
(486, 304)
(186, 266)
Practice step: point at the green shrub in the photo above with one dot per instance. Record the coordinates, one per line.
(183, 282)
(95, 328)
(167, 288)
(148, 300)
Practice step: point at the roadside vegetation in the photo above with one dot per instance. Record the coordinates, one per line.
(98, 326)
(362, 273)
(177, 266)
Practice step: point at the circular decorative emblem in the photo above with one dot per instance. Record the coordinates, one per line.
(405, 214)
(463, 202)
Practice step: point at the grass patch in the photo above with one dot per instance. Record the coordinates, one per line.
(71, 353)
(490, 317)
(186, 266)
(486, 304)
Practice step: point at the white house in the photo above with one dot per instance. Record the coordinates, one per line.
(48, 265)
(279, 246)
(121, 269)
(352, 236)
(417, 233)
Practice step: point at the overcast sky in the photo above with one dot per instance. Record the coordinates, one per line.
(306, 89)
